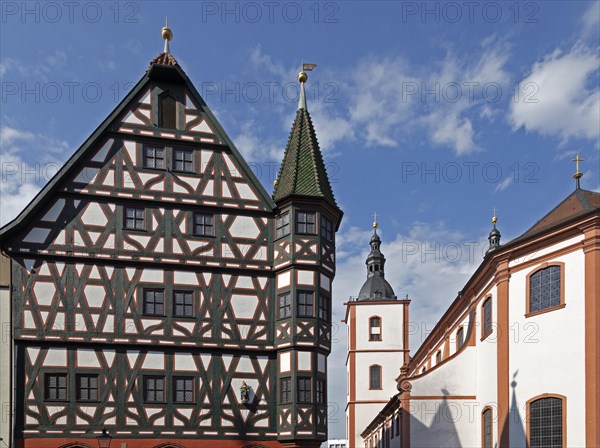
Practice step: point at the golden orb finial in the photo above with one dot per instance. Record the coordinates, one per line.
(166, 32)
(494, 218)
(375, 224)
(302, 77)
(578, 174)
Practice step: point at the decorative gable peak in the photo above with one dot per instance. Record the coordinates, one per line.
(165, 58)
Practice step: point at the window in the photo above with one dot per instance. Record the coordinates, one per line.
(305, 222)
(486, 428)
(183, 160)
(375, 377)
(546, 423)
(87, 387)
(183, 304)
(282, 225)
(154, 302)
(321, 391)
(460, 338)
(167, 111)
(304, 390)
(154, 389)
(487, 316)
(323, 308)
(375, 329)
(135, 218)
(285, 390)
(285, 306)
(183, 388)
(154, 157)
(203, 224)
(55, 386)
(545, 288)
(326, 228)
(423, 370)
(305, 304)
(438, 357)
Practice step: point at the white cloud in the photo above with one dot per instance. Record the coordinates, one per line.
(21, 179)
(566, 103)
(591, 18)
(504, 184)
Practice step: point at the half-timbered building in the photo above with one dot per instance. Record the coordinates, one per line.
(160, 293)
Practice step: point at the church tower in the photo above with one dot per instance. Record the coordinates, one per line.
(377, 345)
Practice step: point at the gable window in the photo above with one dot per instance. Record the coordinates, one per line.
(438, 357)
(321, 391)
(305, 304)
(546, 422)
(154, 302)
(183, 304)
(154, 157)
(375, 377)
(183, 160)
(487, 317)
(167, 111)
(323, 308)
(285, 305)
(326, 228)
(304, 390)
(87, 387)
(487, 428)
(154, 389)
(282, 225)
(135, 218)
(55, 386)
(183, 389)
(305, 222)
(460, 338)
(545, 289)
(203, 224)
(375, 329)
(285, 390)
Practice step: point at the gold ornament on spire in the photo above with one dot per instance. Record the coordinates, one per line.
(578, 174)
(302, 76)
(166, 34)
(375, 225)
(494, 218)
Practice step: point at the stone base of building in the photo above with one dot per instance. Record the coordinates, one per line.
(161, 443)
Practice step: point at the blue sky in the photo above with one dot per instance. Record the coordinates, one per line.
(414, 105)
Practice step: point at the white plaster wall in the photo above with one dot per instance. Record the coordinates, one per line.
(457, 376)
(547, 351)
(390, 369)
(443, 423)
(365, 414)
(391, 326)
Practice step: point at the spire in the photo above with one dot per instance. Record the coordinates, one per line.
(165, 58)
(578, 174)
(376, 287)
(494, 237)
(167, 35)
(303, 171)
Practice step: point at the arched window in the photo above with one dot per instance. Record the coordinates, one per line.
(487, 317)
(375, 377)
(167, 111)
(545, 289)
(460, 338)
(438, 357)
(486, 428)
(375, 328)
(546, 421)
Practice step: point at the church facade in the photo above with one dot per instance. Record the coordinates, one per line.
(515, 359)
(159, 295)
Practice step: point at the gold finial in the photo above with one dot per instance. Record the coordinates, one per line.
(494, 218)
(375, 225)
(578, 174)
(166, 34)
